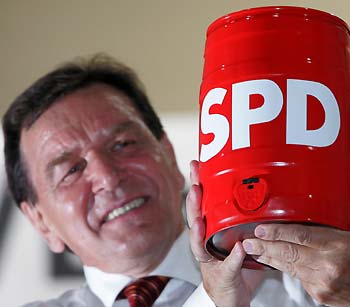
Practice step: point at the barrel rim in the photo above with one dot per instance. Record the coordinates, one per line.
(303, 11)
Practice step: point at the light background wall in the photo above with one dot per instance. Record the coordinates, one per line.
(162, 40)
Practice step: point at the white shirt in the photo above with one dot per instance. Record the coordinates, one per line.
(185, 289)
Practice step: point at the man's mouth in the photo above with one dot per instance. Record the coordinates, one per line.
(136, 203)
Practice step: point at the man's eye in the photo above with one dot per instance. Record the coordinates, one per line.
(76, 168)
(122, 144)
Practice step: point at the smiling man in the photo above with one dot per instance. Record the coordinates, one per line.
(95, 165)
(89, 164)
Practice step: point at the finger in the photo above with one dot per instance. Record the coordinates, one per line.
(194, 172)
(197, 234)
(317, 237)
(234, 261)
(193, 204)
(296, 260)
(283, 251)
(303, 273)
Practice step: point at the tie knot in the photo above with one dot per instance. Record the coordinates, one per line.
(144, 291)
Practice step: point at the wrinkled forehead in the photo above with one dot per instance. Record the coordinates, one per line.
(90, 110)
(95, 101)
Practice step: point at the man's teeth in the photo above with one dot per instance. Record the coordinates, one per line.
(122, 210)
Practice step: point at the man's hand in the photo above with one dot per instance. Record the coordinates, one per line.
(224, 281)
(318, 256)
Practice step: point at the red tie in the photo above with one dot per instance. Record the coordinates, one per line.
(144, 291)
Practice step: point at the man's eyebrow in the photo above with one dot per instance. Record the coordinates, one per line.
(122, 127)
(57, 161)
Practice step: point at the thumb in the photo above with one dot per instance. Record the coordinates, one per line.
(233, 262)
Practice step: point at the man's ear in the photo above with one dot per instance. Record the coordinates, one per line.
(169, 149)
(38, 221)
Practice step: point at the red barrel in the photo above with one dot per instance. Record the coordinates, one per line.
(274, 123)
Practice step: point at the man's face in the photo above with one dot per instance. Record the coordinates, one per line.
(107, 188)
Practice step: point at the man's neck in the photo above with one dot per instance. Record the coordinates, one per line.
(141, 265)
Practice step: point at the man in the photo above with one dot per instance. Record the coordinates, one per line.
(89, 164)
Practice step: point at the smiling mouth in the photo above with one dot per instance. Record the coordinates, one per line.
(136, 203)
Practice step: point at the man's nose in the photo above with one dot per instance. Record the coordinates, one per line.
(103, 171)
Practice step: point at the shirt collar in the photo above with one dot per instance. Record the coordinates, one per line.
(179, 263)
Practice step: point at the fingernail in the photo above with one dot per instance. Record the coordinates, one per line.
(237, 249)
(260, 232)
(248, 247)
